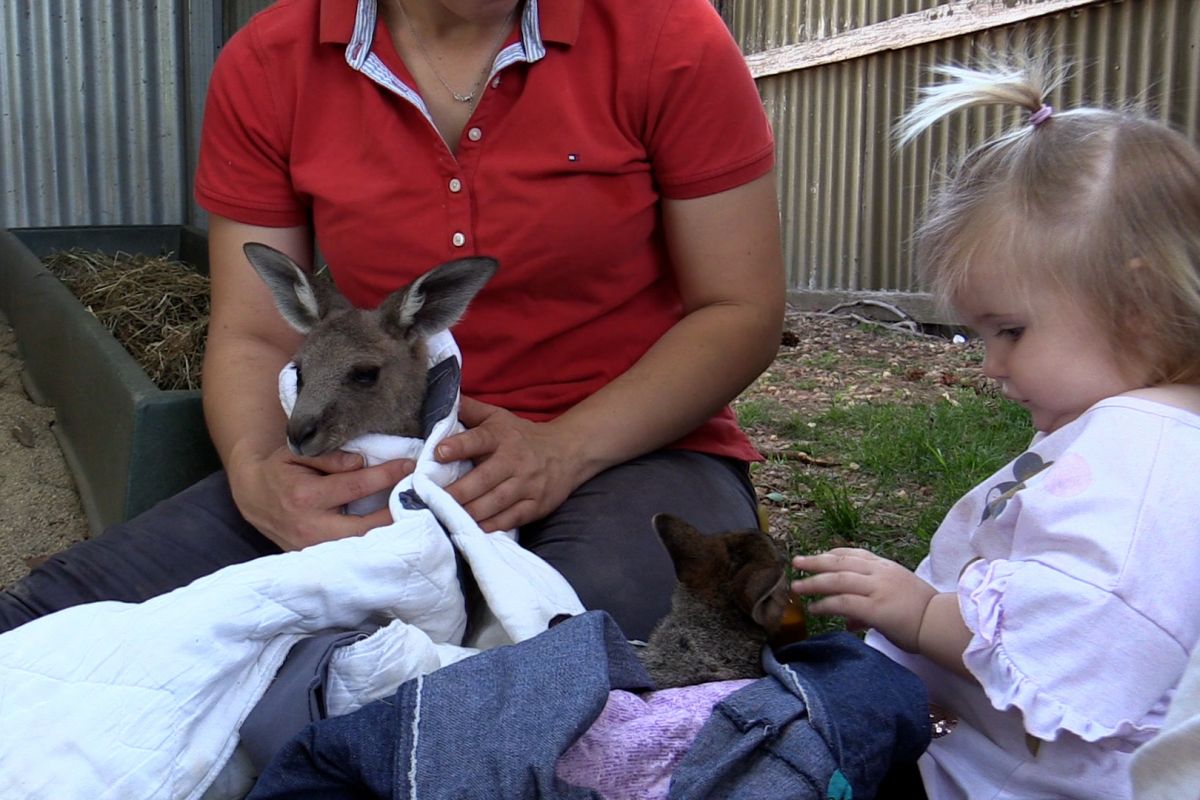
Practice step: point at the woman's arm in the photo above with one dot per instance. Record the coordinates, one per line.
(729, 267)
(294, 501)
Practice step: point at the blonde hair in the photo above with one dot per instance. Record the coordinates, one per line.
(1102, 204)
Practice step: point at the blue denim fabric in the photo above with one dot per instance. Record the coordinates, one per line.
(826, 722)
(491, 726)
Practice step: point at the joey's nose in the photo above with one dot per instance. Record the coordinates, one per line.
(300, 435)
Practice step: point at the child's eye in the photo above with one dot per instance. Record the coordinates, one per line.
(1010, 333)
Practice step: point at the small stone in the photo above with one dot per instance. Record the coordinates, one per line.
(24, 434)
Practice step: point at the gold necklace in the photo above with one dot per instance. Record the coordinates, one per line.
(462, 98)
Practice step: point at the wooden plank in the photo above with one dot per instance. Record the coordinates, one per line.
(957, 18)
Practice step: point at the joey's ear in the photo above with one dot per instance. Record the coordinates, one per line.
(436, 300)
(700, 561)
(768, 610)
(760, 586)
(301, 302)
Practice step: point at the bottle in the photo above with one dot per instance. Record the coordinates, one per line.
(792, 625)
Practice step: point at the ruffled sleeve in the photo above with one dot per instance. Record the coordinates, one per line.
(1069, 655)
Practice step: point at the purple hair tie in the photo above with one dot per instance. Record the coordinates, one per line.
(1041, 115)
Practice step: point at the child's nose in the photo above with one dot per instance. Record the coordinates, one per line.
(993, 366)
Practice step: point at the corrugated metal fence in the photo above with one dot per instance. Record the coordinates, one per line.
(91, 112)
(100, 105)
(100, 108)
(836, 75)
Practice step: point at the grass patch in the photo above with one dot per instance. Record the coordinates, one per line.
(839, 515)
(872, 435)
(947, 447)
(902, 468)
(760, 412)
(823, 361)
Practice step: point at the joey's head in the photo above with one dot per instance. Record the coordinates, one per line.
(363, 370)
(741, 572)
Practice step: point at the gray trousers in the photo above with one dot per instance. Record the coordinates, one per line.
(600, 539)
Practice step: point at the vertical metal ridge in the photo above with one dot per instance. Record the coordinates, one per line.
(851, 201)
(100, 109)
(93, 123)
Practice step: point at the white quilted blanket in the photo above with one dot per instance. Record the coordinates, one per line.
(117, 700)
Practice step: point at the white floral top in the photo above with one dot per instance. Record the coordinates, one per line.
(1077, 568)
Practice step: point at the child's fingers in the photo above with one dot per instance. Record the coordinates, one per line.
(849, 606)
(833, 583)
(843, 559)
(852, 552)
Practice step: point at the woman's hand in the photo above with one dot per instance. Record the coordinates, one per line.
(868, 591)
(523, 469)
(297, 501)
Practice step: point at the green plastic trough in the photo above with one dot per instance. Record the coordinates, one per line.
(128, 443)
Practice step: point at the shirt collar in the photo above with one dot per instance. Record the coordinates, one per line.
(556, 21)
(559, 19)
(337, 20)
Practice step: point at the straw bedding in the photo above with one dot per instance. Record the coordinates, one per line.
(155, 306)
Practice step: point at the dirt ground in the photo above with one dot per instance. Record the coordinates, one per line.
(822, 361)
(39, 507)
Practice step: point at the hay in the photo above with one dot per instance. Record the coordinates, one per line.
(156, 307)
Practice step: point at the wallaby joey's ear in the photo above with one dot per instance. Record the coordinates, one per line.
(700, 561)
(301, 302)
(768, 610)
(760, 586)
(436, 300)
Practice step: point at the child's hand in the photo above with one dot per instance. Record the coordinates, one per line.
(867, 590)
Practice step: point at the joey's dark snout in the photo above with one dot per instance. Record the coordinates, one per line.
(302, 436)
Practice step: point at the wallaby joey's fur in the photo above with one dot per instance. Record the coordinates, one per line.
(363, 371)
(730, 596)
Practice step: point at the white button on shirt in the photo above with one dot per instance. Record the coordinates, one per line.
(474, 134)
(455, 185)
(459, 239)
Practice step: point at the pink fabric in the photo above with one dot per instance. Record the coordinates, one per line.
(632, 748)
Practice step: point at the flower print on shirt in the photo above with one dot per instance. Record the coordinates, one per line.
(1024, 467)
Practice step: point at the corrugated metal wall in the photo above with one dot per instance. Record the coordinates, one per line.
(765, 24)
(92, 112)
(849, 200)
(100, 106)
(238, 13)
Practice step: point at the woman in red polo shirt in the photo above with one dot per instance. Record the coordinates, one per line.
(613, 155)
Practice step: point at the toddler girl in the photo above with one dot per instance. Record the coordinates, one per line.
(1060, 599)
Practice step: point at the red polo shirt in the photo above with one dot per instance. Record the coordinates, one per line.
(598, 109)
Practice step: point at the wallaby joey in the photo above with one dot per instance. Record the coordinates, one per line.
(359, 370)
(731, 595)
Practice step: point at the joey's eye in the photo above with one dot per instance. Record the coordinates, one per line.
(1011, 334)
(365, 376)
(299, 378)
